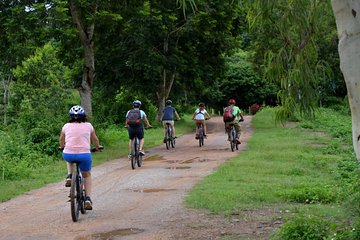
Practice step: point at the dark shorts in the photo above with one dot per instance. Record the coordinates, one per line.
(137, 131)
(84, 159)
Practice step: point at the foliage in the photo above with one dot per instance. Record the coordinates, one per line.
(243, 83)
(254, 108)
(311, 194)
(293, 39)
(304, 228)
(39, 98)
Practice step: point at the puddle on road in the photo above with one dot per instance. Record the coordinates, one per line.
(191, 160)
(154, 158)
(112, 234)
(152, 190)
(178, 167)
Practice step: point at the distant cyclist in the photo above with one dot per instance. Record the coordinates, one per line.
(200, 115)
(233, 115)
(134, 122)
(75, 139)
(168, 114)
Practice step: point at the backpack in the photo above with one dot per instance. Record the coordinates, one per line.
(229, 114)
(134, 117)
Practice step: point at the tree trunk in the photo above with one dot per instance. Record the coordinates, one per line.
(86, 33)
(168, 78)
(347, 13)
(6, 100)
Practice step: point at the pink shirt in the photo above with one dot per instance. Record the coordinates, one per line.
(77, 137)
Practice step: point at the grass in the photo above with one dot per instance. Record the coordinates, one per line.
(115, 141)
(286, 168)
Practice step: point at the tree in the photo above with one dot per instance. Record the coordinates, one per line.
(347, 14)
(291, 50)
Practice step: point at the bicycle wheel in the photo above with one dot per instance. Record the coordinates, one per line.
(232, 138)
(171, 139)
(75, 197)
(82, 201)
(133, 161)
(172, 142)
(139, 160)
(134, 153)
(167, 143)
(201, 137)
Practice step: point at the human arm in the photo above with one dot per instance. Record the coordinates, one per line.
(207, 115)
(240, 115)
(146, 121)
(177, 115)
(62, 140)
(95, 140)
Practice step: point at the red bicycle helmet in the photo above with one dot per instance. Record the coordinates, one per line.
(232, 101)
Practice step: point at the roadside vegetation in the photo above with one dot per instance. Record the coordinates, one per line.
(305, 171)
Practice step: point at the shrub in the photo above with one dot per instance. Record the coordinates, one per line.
(254, 108)
(310, 194)
(304, 228)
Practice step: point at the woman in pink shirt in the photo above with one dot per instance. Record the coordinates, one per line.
(75, 140)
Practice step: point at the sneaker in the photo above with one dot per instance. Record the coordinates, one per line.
(88, 203)
(68, 180)
(142, 153)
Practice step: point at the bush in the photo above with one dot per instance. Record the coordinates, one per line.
(254, 108)
(311, 194)
(304, 228)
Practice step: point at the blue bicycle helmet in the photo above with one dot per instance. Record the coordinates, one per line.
(76, 112)
(136, 103)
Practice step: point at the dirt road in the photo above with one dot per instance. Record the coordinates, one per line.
(145, 203)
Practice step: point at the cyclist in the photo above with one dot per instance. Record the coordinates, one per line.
(238, 118)
(75, 140)
(200, 115)
(134, 122)
(168, 117)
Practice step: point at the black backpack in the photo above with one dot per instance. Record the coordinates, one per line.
(134, 117)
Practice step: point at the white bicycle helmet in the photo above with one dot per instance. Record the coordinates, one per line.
(76, 112)
(136, 103)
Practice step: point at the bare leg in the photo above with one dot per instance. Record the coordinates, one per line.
(69, 167)
(130, 143)
(141, 143)
(87, 183)
(173, 130)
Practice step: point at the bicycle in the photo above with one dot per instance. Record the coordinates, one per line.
(169, 139)
(77, 191)
(200, 133)
(233, 142)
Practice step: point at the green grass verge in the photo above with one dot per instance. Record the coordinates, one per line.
(291, 169)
